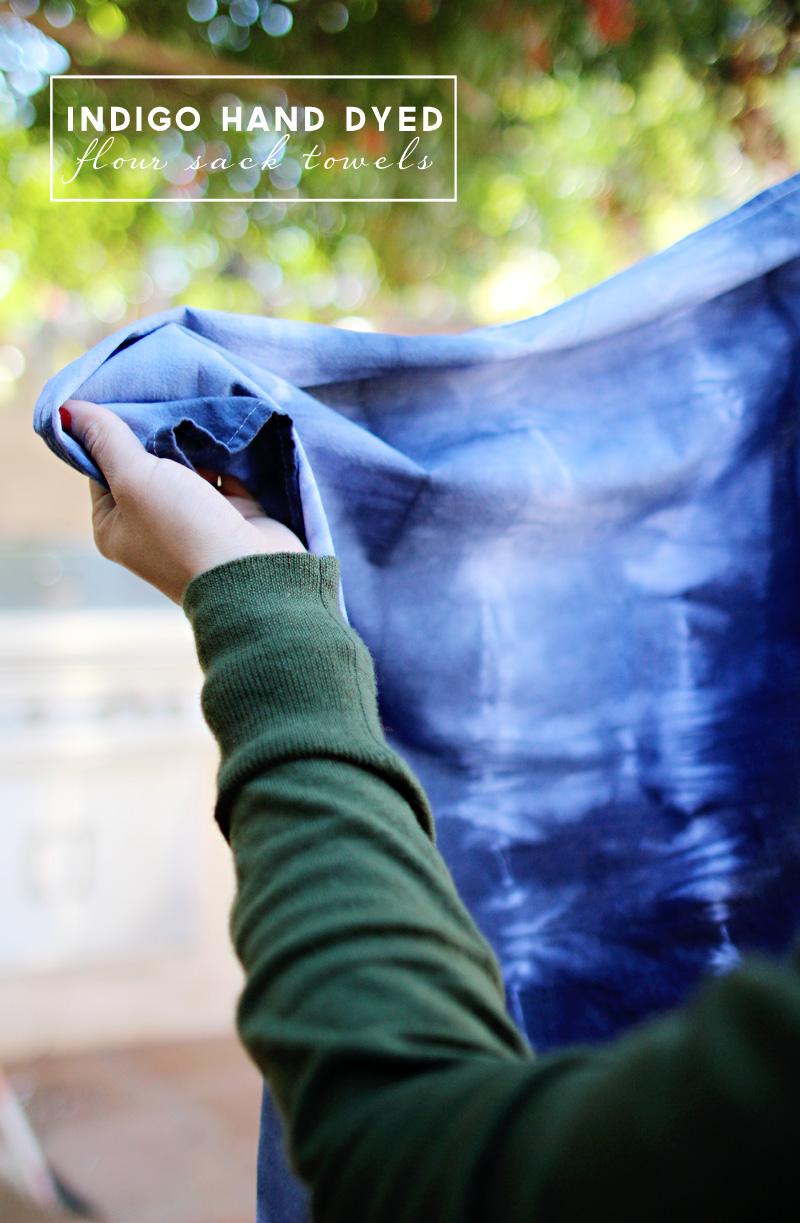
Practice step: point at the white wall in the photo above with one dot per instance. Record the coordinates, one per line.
(115, 884)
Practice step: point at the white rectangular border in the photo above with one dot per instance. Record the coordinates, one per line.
(245, 76)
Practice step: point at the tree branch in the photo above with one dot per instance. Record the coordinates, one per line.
(138, 53)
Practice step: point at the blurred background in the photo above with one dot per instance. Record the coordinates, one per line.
(591, 133)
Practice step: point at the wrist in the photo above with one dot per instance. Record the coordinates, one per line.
(271, 539)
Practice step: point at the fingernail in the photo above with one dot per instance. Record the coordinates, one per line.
(66, 419)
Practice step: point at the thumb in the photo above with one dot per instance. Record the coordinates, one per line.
(112, 445)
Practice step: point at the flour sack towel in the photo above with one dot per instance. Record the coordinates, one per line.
(572, 546)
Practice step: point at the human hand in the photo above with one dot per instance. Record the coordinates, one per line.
(161, 520)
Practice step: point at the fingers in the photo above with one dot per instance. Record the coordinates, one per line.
(209, 476)
(111, 443)
(98, 493)
(231, 487)
(233, 490)
(247, 507)
(237, 495)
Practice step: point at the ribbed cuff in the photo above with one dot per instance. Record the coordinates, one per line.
(263, 581)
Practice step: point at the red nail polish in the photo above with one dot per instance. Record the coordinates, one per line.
(66, 419)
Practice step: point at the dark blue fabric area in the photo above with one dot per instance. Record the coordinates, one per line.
(571, 545)
(280, 1196)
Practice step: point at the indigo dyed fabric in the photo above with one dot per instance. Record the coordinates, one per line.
(572, 546)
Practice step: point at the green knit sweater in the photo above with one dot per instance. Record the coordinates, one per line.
(375, 1008)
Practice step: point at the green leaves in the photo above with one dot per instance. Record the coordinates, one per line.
(590, 134)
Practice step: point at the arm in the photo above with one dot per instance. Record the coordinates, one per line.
(372, 1003)
(374, 1007)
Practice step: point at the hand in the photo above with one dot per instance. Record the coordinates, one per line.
(161, 520)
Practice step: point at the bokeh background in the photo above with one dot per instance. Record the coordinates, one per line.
(591, 133)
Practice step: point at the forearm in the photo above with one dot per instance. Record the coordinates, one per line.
(374, 1006)
(356, 946)
(352, 936)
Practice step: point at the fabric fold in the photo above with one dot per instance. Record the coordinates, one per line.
(571, 545)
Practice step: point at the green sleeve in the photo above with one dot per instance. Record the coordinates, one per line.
(375, 1008)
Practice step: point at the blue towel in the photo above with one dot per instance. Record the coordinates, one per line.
(571, 545)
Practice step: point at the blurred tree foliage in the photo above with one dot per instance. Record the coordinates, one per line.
(591, 132)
